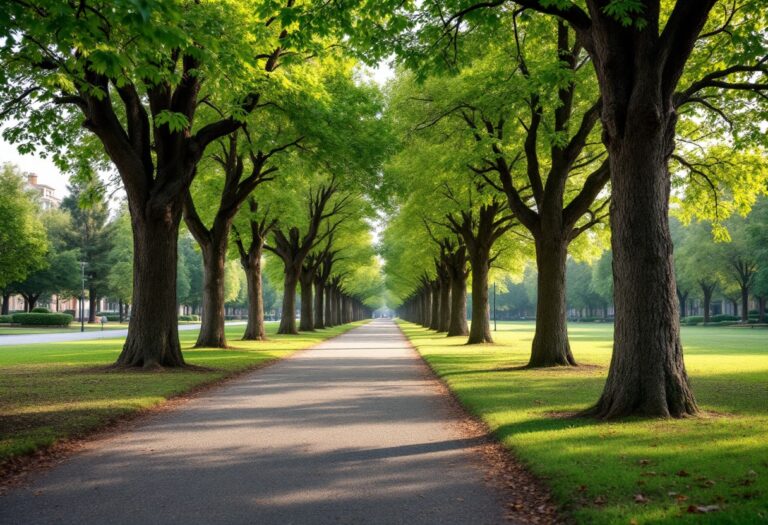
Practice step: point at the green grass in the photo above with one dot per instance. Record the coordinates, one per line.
(60, 390)
(596, 469)
(74, 327)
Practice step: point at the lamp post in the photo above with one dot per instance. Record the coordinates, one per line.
(82, 296)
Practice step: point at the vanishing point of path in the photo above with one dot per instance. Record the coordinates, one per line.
(350, 432)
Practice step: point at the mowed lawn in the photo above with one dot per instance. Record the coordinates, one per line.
(62, 390)
(712, 468)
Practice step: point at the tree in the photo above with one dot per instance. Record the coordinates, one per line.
(88, 206)
(23, 242)
(61, 273)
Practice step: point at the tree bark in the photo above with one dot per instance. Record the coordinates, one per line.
(682, 298)
(761, 309)
(480, 328)
(329, 317)
(93, 302)
(434, 317)
(458, 324)
(707, 292)
(744, 304)
(550, 342)
(319, 307)
(306, 322)
(212, 321)
(153, 338)
(647, 375)
(6, 304)
(445, 305)
(288, 319)
(254, 330)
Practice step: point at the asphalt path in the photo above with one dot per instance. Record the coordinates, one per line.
(352, 431)
(61, 337)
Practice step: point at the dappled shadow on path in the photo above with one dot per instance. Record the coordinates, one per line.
(349, 432)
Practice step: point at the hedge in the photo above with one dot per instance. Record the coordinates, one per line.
(40, 310)
(42, 319)
(6, 319)
(189, 317)
(724, 317)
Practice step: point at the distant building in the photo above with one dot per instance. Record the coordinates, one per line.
(48, 199)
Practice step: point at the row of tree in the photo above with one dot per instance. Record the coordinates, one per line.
(524, 135)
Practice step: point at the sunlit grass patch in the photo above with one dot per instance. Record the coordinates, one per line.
(60, 390)
(650, 471)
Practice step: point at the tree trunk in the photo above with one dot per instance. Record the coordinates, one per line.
(434, 317)
(153, 336)
(319, 310)
(119, 309)
(761, 310)
(647, 374)
(288, 319)
(550, 345)
(254, 330)
(707, 303)
(480, 328)
(458, 324)
(93, 305)
(426, 306)
(445, 306)
(744, 304)
(6, 304)
(682, 298)
(306, 322)
(212, 321)
(329, 319)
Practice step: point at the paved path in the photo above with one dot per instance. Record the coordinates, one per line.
(350, 432)
(60, 337)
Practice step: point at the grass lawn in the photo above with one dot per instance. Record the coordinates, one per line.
(637, 470)
(74, 327)
(54, 391)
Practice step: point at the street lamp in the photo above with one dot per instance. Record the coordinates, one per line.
(82, 297)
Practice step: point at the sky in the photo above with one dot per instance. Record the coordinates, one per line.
(50, 175)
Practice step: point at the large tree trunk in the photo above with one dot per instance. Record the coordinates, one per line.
(319, 310)
(445, 306)
(6, 304)
(426, 306)
(93, 305)
(480, 329)
(288, 319)
(458, 324)
(306, 322)
(647, 375)
(254, 330)
(761, 310)
(212, 321)
(153, 337)
(550, 345)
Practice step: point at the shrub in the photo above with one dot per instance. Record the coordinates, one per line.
(6, 319)
(40, 310)
(70, 312)
(189, 317)
(40, 319)
(724, 317)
